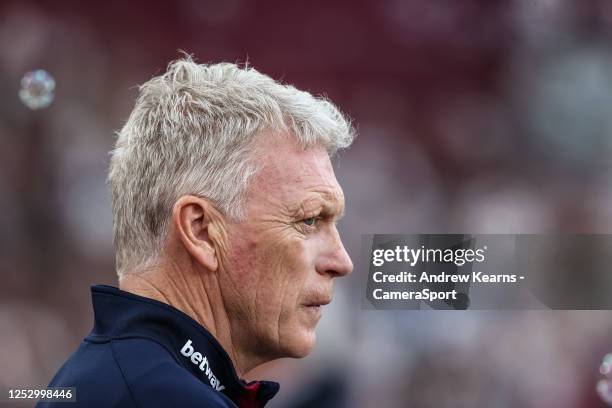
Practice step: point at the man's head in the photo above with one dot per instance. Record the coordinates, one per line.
(231, 169)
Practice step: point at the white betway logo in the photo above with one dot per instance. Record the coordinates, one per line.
(202, 362)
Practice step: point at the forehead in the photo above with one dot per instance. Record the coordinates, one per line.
(293, 176)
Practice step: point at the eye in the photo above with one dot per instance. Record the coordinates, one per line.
(310, 221)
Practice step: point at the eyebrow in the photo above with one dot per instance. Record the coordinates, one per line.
(330, 206)
(341, 214)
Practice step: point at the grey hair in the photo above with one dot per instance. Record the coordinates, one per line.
(191, 132)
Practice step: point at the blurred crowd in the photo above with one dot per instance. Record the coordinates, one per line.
(474, 116)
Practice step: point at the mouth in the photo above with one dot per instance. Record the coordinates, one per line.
(317, 304)
(317, 309)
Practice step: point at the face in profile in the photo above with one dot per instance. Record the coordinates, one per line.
(278, 269)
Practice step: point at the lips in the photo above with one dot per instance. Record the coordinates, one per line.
(318, 302)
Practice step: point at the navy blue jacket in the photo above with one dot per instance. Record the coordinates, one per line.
(144, 353)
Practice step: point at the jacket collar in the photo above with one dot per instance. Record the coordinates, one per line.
(119, 314)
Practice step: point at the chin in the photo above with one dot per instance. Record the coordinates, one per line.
(300, 344)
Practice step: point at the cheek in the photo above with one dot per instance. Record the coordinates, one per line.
(295, 325)
(266, 273)
(282, 276)
(284, 271)
(269, 274)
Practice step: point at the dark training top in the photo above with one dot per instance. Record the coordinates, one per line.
(144, 353)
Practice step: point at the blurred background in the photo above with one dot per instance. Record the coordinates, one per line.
(474, 116)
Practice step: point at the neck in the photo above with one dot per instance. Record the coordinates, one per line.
(196, 293)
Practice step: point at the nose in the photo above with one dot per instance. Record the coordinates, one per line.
(335, 261)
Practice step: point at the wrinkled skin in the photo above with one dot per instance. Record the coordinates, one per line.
(281, 261)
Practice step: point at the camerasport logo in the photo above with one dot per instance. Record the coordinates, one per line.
(202, 362)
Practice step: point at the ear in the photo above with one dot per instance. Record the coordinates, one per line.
(195, 220)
